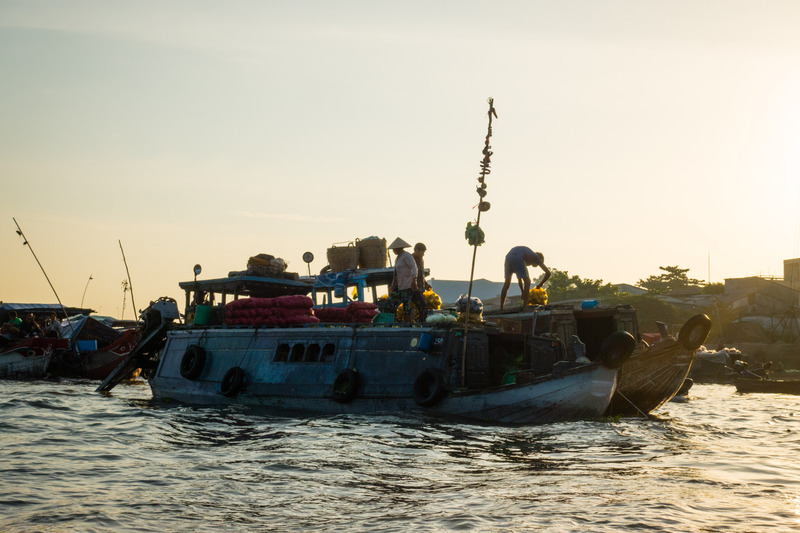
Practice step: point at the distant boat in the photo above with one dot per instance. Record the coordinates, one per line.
(95, 348)
(775, 386)
(28, 358)
(720, 366)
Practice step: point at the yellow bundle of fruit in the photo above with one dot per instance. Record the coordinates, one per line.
(432, 300)
(400, 313)
(537, 297)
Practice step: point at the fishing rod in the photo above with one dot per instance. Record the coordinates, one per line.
(25, 242)
(474, 233)
(130, 283)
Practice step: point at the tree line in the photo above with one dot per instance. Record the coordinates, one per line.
(563, 287)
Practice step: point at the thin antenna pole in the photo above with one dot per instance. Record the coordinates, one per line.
(477, 241)
(26, 243)
(85, 288)
(130, 283)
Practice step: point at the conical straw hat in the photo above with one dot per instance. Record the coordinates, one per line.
(399, 243)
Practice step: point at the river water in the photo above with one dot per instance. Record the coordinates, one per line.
(75, 460)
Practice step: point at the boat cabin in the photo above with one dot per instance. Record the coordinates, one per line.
(592, 326)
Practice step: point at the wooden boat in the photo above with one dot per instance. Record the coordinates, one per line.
(28, 358)
(444, 369)
(648, 379)
(94, 348)
(775, 386)
(720, 366)
(653, 375)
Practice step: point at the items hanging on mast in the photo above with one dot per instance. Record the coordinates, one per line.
(474, 234)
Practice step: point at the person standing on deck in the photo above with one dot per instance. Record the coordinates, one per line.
(404, 279)
(518, 259)
(53, 328)
(422, 285)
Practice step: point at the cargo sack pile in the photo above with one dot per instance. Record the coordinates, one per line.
(280, 311)
(355, 312)
(265, 265)
(475, 309)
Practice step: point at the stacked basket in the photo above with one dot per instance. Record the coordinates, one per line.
(343, 257)
(371, 252)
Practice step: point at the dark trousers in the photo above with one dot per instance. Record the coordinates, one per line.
(409, 296)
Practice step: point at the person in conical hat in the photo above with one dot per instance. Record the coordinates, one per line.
(404, 280)
(422, 285)
(398, 243)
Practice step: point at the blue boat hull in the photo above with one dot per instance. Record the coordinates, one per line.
(300, 368)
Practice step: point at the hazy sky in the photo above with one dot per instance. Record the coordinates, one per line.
(631, 135)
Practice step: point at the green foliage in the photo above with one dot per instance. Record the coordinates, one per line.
(714, 288)
(561, 286)
(672, 278)
(650, 310)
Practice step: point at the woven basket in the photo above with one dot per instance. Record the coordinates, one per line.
(343, 257)
(371, 253)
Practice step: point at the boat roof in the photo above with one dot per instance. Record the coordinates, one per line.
(363, 276)
(42, 309)
(253, 286)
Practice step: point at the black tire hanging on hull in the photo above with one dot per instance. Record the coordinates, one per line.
(429, 388)
(345, 386)
(232, 382)
(193, 362)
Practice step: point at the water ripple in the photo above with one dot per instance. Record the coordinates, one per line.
(74, 460)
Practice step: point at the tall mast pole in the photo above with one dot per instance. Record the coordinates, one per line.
(474, 233)
(25, 242)
(130, 284)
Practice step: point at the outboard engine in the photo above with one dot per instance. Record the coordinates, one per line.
(156, 319)
(160, 313)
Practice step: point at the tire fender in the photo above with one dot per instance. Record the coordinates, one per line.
(617, 348)
(345, 386)
(193, 362)
(232, 382)
(694, 332)
(429, 387)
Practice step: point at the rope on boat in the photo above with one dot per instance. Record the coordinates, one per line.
(644, 415)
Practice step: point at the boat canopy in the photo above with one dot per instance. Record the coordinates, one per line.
(87, 328)
(335, 285)
(240, 286)
(40, 309)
